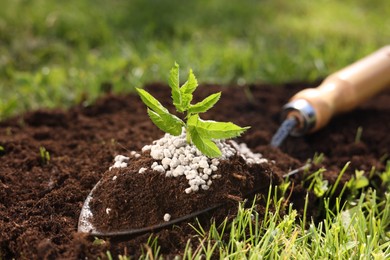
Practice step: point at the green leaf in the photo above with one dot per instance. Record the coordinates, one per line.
(205, 104)
(166, 122)
(205, 145)
(185, 102)
(182, 96)
(201, 133)
(151, 102)
(174, 84)
(361, 182)
(215, 130)
(320, 187)
(160, 115)
(192, 120)
(190, 85)
(186, 91)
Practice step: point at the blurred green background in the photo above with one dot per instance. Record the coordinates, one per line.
(58, 53)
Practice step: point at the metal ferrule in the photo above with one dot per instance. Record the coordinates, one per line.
(305, 114)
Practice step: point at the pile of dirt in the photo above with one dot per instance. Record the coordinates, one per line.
(115, 207)
(41, 197)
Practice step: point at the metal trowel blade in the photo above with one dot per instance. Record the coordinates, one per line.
(85, 224)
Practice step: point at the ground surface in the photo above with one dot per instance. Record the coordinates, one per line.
(40, 199)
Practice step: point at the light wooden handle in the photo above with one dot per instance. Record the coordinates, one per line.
(344, 90)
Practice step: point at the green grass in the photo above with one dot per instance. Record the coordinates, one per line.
(354, 228)
(57, 54)
(358, 228)
(355, 232)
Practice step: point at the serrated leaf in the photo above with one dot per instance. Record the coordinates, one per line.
(190, 85)
(192, 120)
(175, 88)
(186, 92)
(205, 104)
(215, 130)
(166, 122)
(151, 102)
(182, 96)
(205, 145)
(185, 102)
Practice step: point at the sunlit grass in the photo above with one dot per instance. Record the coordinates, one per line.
(358, 229)
(61, 53)
(354, 228)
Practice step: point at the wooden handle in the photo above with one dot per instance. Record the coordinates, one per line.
(344, 90)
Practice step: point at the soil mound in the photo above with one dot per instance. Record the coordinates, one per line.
(126, 199)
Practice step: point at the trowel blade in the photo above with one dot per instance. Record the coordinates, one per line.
(85, 224)
(85, 219)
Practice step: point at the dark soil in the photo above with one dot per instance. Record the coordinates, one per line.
(40, 199)
(152, 194)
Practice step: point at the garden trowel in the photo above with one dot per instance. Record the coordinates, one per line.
(85, 224)
(307, 111)
(311, 109)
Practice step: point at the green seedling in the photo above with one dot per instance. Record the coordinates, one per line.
(357, 182)
(202, 133)
(318, 185)
(358, 136)
(44, 154)
(318, 158)
(109, 256)
(385, 176)
(98, 241)
(124, 257)
(384, 158)
(284, 187)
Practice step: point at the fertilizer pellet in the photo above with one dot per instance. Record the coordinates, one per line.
(167, 217)
(205, 187)
(121, 158)
(142, 170)
(119, 164)
(175, 157)
(159, 168)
